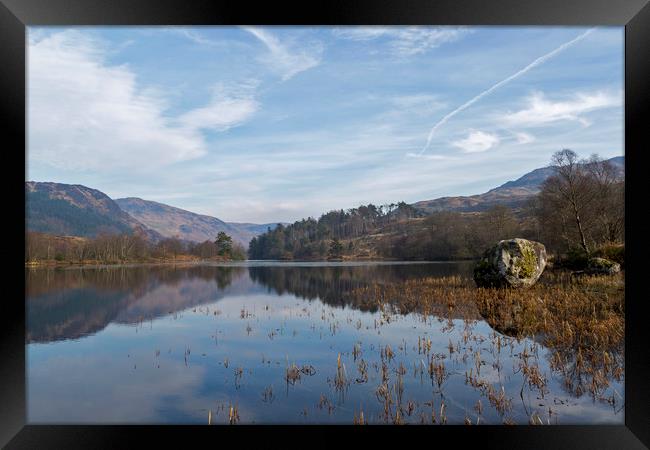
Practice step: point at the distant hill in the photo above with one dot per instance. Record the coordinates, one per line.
(513, 193)
(170, 221)
(76, 210)
(254, 228)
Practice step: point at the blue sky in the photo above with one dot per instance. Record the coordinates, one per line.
(268, 124)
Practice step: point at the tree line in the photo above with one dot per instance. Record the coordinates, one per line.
(578, 212)
(114, 248)
(313, 239)
(580, 209)
(450, 235)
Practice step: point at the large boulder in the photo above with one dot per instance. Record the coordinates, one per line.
(602, 266)
(514, 263)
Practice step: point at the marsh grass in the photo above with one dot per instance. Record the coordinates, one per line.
(233, 415)
(359, 419)
(579, 318)
(292, 374)
(267, 395)
(576, 322)
(340, 381)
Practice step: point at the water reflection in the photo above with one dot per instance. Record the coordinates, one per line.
(74, 302)
(299, 343)
(336, 285)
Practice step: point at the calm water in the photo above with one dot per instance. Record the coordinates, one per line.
(163, 344)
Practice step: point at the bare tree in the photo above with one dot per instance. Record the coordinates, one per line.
(609, 207)
(570, 188)
(498, 223)
(582, 205)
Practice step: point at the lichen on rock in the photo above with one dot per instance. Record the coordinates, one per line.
(511, 263)
(602, 266)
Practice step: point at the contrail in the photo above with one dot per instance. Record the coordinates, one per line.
(469, 103)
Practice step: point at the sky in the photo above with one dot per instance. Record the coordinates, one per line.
(275, 124)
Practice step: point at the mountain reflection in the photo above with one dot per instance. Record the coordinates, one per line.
(343, 286)
(72, 303)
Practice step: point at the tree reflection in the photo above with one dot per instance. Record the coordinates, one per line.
(581, 321)
(71, 303)
(346, 285)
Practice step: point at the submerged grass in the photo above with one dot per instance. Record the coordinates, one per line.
(579, 318)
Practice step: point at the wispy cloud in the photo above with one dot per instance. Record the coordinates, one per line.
(150, 121)
(541, 111)
(365, 33)
(230, 106)
(423, 103)
(429, 157)
(405, 41)
(501, 83)
(476, 141)
(194, 36)
(86, 114)
(524, 138)
(283, 58)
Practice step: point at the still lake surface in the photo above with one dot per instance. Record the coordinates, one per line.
(165, 344)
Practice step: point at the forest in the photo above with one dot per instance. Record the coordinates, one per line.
(578, 212)
(125, 247)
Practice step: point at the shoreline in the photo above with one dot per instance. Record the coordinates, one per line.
(93, 263)
(54, 263)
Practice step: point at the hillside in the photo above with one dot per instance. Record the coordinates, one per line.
(513, 194)
(76, 210)
(441, 229)
(170, 221)
(253, 228)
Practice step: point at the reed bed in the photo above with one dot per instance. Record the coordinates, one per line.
(580, 319)
(577, 322)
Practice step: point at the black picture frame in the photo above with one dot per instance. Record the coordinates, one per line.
(15, 15)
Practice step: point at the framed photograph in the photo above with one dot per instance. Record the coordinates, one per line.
(350, 217)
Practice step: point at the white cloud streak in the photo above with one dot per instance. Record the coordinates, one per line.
(195, 37)
(282, 59)
(429, 157)
(404, 41)
(231, 106)
(532, 65)
(476, 141)
(273, 171)
(84, 114)
(524, 138)
(541, 111)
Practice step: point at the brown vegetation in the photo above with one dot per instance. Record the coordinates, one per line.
(42, 248)
(581, 319)
(582, 207)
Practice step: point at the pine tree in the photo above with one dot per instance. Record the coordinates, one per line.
(224, 244)
(336, 249)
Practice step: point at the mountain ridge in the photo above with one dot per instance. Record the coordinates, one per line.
(514, 193)
(171, 221)
(77, 210)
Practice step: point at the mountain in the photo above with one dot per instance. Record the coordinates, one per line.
(513, 193)
(76, 210)
(76, 304)
(254, 228)
(170, 221)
